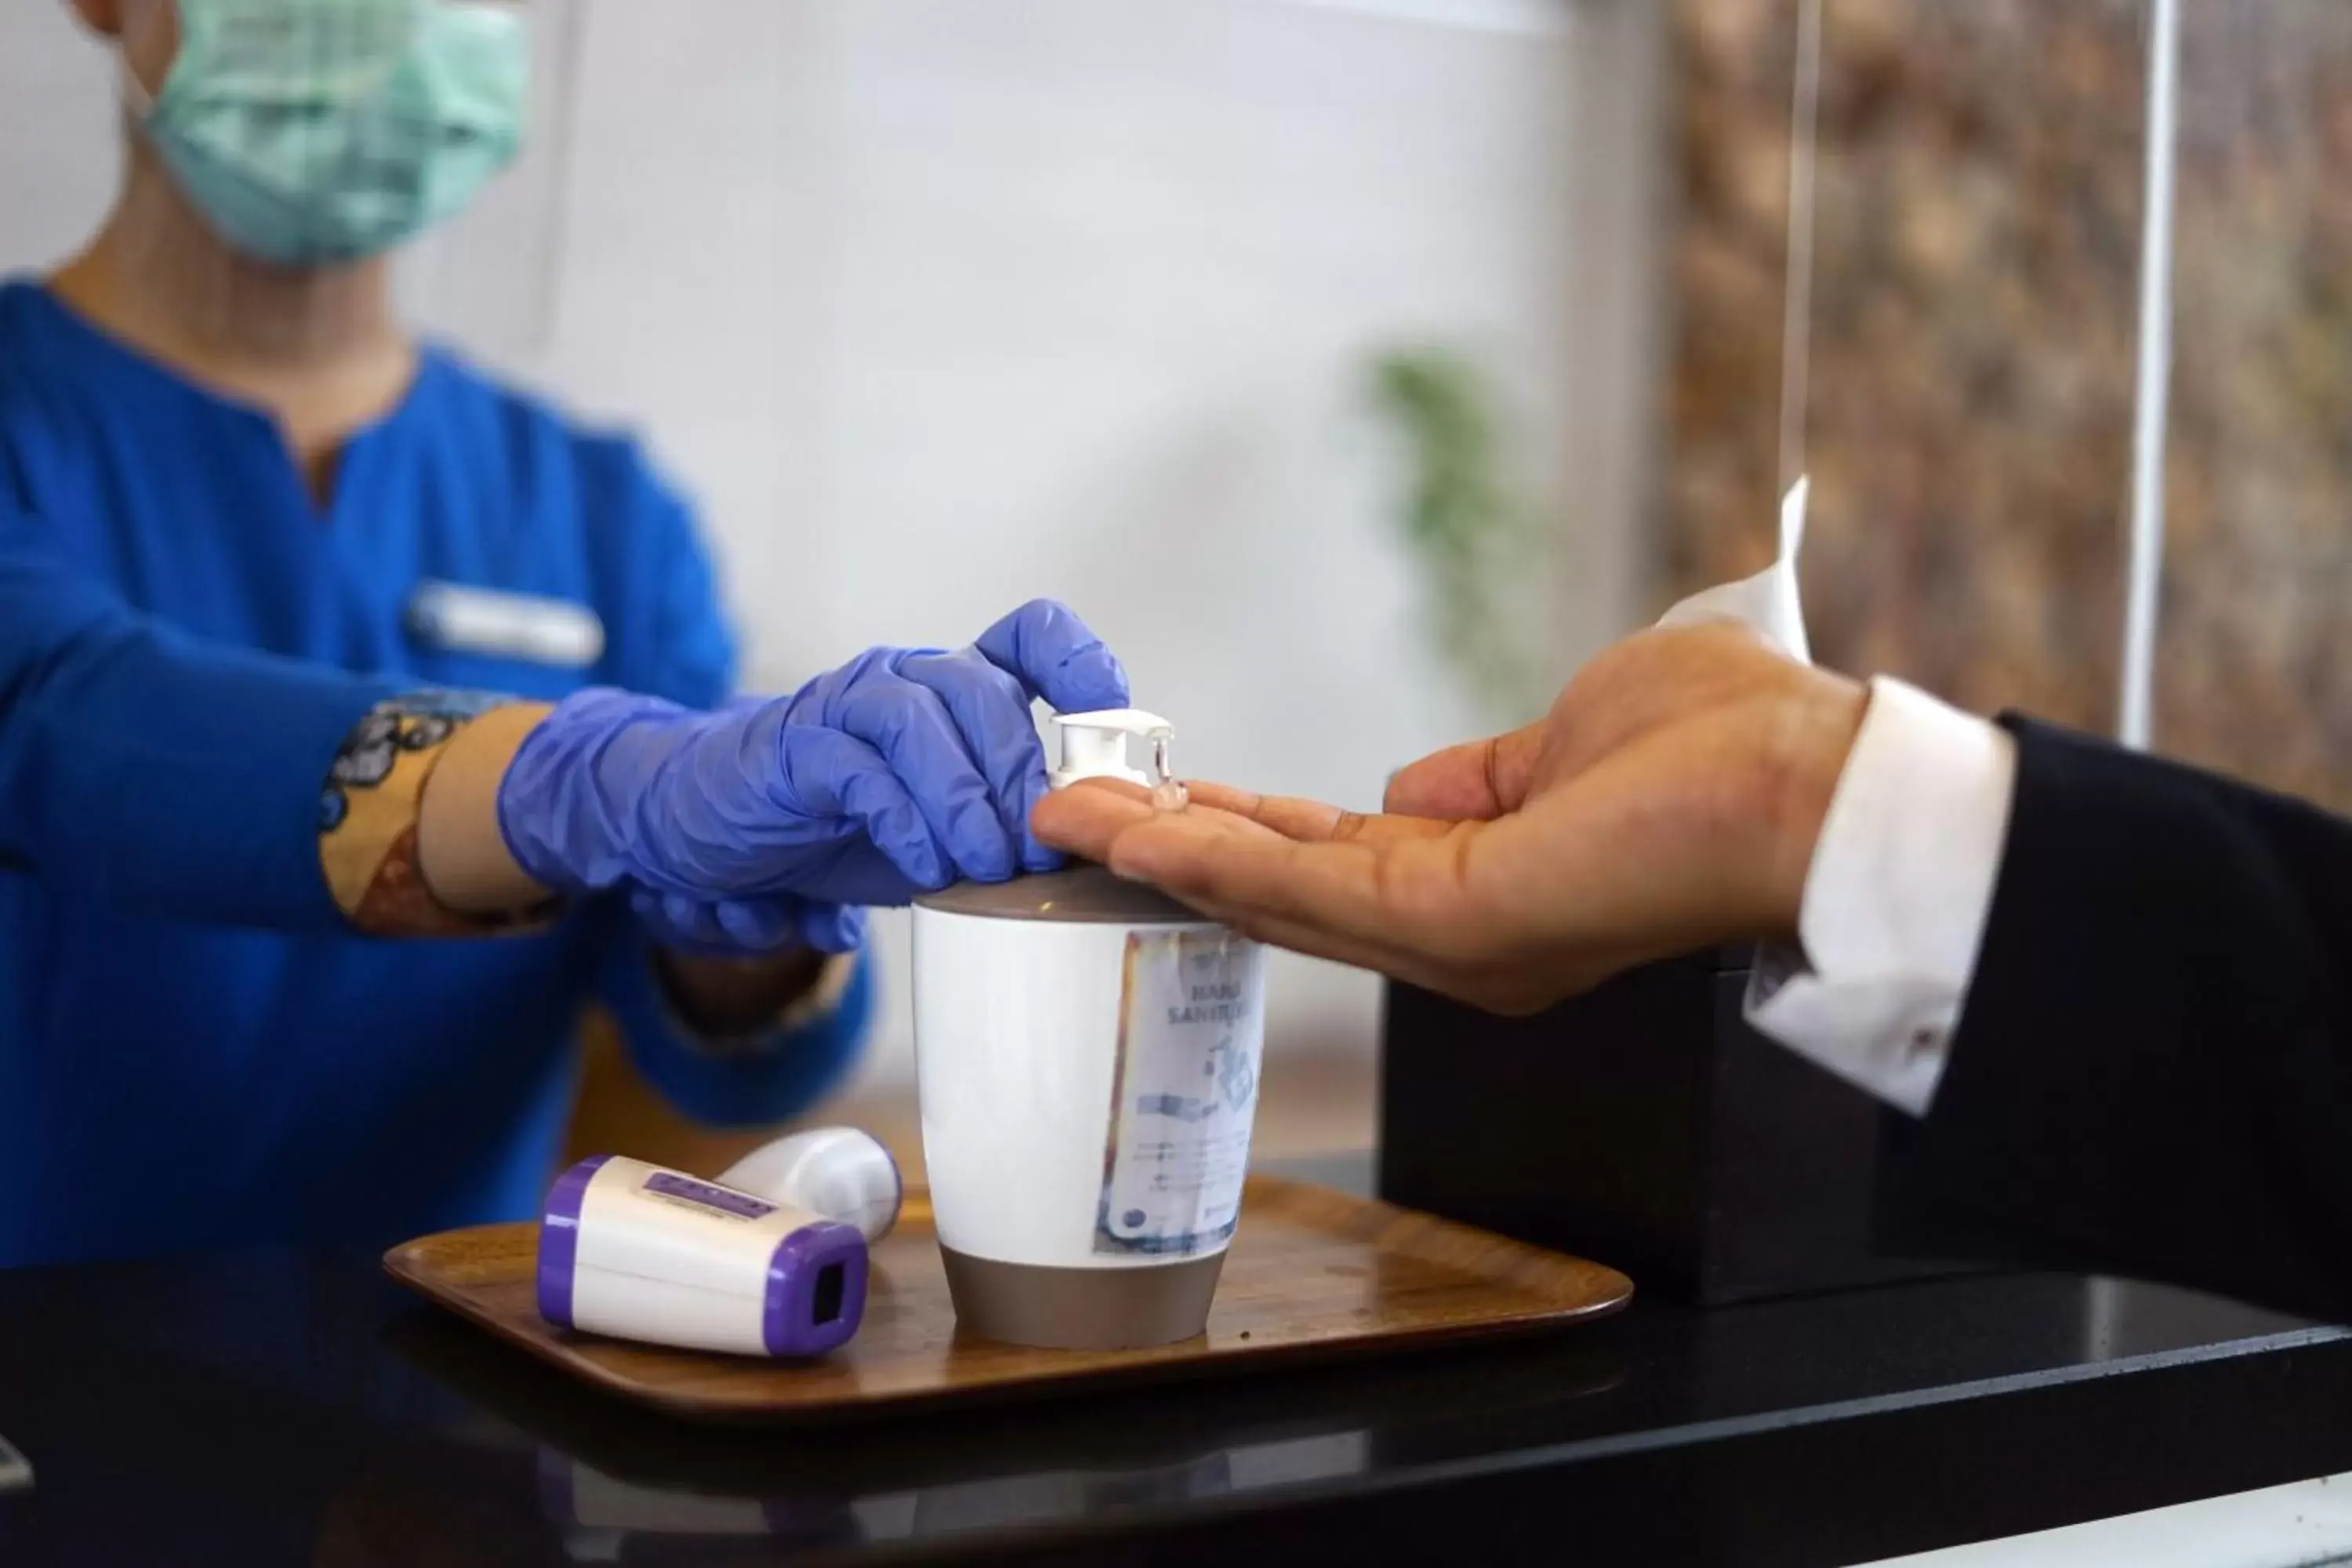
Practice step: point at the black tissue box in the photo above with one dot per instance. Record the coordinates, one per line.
(1643, 1125)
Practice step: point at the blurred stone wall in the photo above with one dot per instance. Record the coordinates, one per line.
(2254, 668)
(1971, 354)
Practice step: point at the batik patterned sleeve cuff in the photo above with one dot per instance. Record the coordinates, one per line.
(367, 819)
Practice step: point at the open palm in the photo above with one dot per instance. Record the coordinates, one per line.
(1669, 800)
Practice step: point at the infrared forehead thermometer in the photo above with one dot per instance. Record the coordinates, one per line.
(768, 1260)
(639, 1252)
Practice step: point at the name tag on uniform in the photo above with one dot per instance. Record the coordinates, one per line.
(464, 619)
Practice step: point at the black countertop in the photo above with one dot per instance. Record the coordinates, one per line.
(258, 1409)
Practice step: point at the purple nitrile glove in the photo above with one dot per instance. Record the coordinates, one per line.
(902, 770)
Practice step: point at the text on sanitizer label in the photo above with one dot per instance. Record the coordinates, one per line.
(1191, 1027)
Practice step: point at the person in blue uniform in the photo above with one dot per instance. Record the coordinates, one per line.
(361, 718)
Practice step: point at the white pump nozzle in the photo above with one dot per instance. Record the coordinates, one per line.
(1094, 747)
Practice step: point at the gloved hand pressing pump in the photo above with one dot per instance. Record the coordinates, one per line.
(774, 820)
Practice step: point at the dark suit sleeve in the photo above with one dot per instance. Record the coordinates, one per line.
(2153, 1070)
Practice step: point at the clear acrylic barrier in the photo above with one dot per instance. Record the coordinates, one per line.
(2253, 671)
(1964, 352)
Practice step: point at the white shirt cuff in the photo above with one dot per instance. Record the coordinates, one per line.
(1896, 899)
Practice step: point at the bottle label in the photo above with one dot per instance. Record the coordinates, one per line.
(1191, 1027)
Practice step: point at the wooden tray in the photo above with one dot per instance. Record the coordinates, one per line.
(1312, 1272)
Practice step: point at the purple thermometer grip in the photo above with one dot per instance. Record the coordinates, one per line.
(558, 1239)
(806, 1313)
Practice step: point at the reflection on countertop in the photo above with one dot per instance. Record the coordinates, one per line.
(283, 1408)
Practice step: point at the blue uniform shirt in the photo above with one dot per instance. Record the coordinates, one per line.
(195, 1047)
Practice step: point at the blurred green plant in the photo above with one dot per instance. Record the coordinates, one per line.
(1462, 522)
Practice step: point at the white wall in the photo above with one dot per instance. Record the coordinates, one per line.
(56, 133)
(940, 304)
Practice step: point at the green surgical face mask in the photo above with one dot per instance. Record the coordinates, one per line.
(310, 131)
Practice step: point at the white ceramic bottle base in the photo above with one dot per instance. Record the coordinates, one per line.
(1086, 1053)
